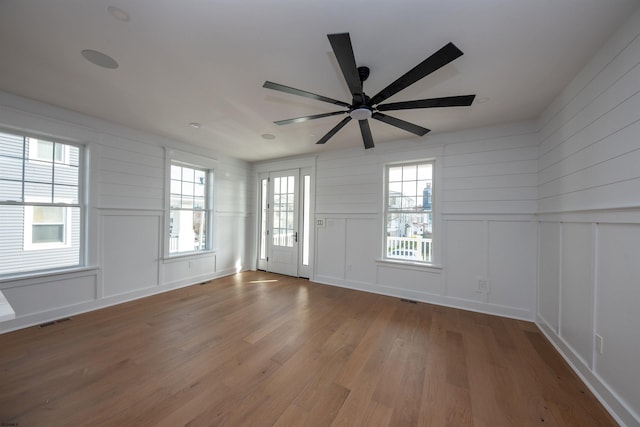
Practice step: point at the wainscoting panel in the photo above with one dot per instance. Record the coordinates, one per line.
(130, 255)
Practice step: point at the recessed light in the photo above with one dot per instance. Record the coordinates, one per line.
(118, 13)
(100, 59)
(268, 136)
(195, 125)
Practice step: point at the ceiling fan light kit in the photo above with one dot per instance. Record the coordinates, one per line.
(361, 113)
(363, 107)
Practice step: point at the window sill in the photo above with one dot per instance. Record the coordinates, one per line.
(187, 256)
(420, 266)
(45, 273)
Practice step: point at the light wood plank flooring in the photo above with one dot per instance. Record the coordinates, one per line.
(262, 349)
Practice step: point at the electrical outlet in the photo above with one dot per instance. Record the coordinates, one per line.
(599, 344)
(320, 222)
(483, 286)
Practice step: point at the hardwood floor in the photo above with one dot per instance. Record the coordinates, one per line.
(263, 349)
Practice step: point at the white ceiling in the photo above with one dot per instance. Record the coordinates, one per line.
(205, 61)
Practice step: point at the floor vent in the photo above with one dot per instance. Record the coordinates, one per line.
(409, 301)
(53, 322)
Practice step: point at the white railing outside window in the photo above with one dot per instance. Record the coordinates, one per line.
(409, 248)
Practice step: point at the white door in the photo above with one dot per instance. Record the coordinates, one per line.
(284, 230)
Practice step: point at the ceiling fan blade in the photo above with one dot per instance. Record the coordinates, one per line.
(449, 101)
(438, 60)
(341, 44)
(334, 130)
(293, 91)
(366, 134)
(306, 118)
(409, 127)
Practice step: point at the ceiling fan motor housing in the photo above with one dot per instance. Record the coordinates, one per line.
(363, 72)
(360, 109)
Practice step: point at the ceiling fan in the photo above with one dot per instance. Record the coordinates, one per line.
(362, 107)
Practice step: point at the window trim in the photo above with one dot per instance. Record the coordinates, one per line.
(209, 165)
(81, 204)
(434, 249)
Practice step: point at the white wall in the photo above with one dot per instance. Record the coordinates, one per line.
(485, 227)
(126, 176)
(589, 204)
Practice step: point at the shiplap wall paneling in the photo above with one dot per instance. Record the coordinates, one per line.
(491, 175)
(589, 150)
(618, 57)
(348, 183)
(232, 189)
(131, 174)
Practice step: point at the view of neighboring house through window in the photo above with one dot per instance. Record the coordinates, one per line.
(409, 211)
(40, 204)
(189, 209)
(48, 224)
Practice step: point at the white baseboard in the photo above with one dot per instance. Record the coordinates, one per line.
(609, 399)
(447, 301)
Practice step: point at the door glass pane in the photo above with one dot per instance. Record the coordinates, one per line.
(306, 220)
(283, 210)
(263, 219)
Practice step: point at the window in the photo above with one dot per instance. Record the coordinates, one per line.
(45, 150)
(409, 211)
(189, 209)
(40, 204)
(47, 227)
(284, 196)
